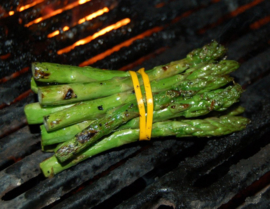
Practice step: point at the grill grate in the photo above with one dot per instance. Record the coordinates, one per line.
(225, 172)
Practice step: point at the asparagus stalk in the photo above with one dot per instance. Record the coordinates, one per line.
(200, 104)
(105, 125)
(52, 137)
(233, 110)
(67, 133)
(196, 106)
(236, 111)
(186, 128)
(91, 110)
(63, 134)
(48, 148)
(65, 94)
(56, 73)
(60, 135)
(193, 80)
(35, 112)
(34, 86)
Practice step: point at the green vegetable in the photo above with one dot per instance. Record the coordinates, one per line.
(34, 86)
(94, 110)
(35, 112)
(186, 128)
(63, 134)
(203, 77)
(70, 93)
(69, 132)
(198, 105)
(56, 73)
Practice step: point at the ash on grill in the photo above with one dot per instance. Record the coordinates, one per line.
(227, 172)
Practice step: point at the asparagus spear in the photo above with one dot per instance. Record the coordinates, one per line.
(198, 105)
(52, 137)
(55, 136)
(236, 111)
(69, 132)
(34, 86)
(91, 110)
(193, 80)
(185, 128)
(64, 94)
(106, 124)
(56, 73)
(35, 112)
(63, 134)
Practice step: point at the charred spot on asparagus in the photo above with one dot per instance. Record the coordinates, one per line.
(165, 68)
(40, 73)
(85, 136)
(70, 94)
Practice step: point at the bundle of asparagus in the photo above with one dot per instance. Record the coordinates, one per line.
(86, 111)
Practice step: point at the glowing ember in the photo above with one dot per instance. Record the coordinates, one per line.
(29, 5)
(65, 28)
(93, 15)
(55, 33)
(5, 56)
(260, 23)
(87, 18)
(234, 13)
(19, 98)
(119, 46)
(95, 35)
(82, 1)
(11, 13)
(56, 12)
(243, 8)
(14, 75)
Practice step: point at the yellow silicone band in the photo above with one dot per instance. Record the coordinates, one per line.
(145, 126)
(141, 107)
(150, 105)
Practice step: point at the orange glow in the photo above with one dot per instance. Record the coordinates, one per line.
(159, 5)
(87, 18)
(14, 75)
(245, 7)
(95, 35)
(234, 13)
(82, 1)
(5, 56)
(20, 97)
(56, 12)
(15, 159)
(11, 13)
(93, 15)
(29, 5)
(119, 46)
(185, 14)
(260, 23)
(55, 33)
(65, 28)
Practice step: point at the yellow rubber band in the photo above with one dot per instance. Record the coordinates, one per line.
(150, 105)
(145, 126)
(141, 107)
